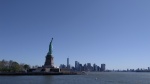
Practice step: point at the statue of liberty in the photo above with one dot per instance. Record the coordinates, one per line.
(49, 62)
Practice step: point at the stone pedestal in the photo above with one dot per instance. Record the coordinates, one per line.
(49, 62)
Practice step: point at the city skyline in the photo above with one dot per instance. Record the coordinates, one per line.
(112, 32)
(83, 67)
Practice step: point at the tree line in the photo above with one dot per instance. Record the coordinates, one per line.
(13, 66)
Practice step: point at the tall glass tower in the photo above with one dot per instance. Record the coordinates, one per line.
(67, 62)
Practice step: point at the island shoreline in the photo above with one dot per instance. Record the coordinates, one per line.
(38, 73)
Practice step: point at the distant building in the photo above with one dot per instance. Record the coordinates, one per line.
(68, 65)
(67, 61)
(80, 67)
(84, 67)
(103, 66)
(95, 67)
(98, 68)
(77, 65)
(62, 66)
(89, 67)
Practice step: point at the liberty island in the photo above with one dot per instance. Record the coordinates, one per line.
(47, 69)
(49, 62)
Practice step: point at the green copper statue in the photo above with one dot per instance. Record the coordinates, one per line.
(50, 47)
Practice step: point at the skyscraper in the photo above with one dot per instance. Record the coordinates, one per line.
(89, 67)
(77, 65)
(68, 66)
(95, 67)
(103, 67)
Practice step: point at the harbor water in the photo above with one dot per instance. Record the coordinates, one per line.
(89, 78)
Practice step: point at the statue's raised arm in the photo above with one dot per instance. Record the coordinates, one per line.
(51, 41)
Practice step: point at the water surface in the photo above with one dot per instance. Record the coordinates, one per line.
(90, 78)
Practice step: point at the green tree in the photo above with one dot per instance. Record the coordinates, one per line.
(26, 67)
(12, 66)
(4, 66)
(15, 67)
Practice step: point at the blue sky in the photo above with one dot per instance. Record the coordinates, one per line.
(114, 32)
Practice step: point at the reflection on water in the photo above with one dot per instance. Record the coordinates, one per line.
(90, 78)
